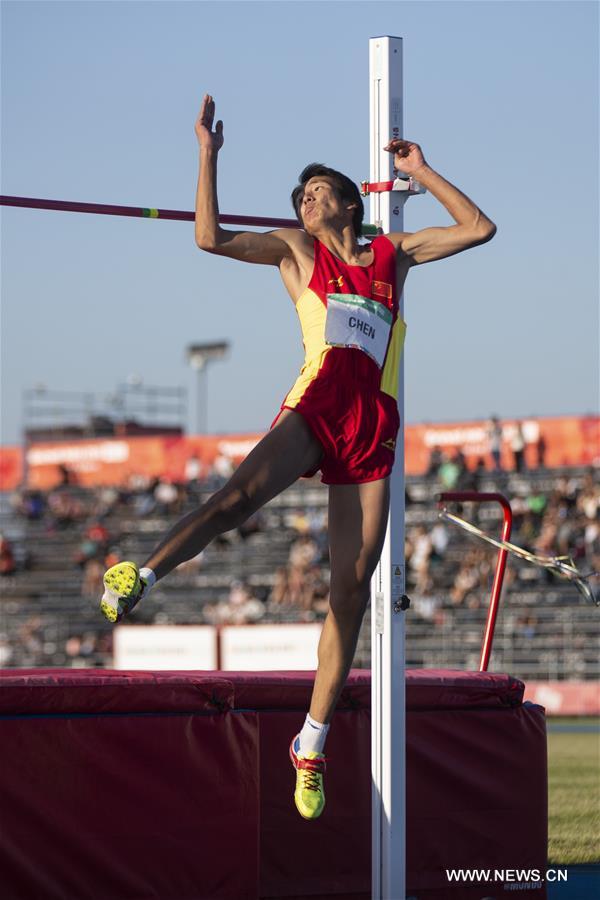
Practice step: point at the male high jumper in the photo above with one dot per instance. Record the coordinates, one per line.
(341, 415)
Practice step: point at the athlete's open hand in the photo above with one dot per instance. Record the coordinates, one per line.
(207, 138)
(407, 156)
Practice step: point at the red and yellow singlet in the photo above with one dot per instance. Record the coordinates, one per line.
(347, 389)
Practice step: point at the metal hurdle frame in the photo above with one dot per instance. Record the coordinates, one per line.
(388, 753)
(482, 497)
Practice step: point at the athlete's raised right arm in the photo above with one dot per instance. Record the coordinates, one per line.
(269, 248)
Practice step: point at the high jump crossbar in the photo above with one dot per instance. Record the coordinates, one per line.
(180, 215)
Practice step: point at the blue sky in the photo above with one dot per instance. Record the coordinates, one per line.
(98, 104)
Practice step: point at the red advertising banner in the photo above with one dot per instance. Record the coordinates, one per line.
(11, 467)
(553, 442)
(116, 460)
(560, 441)
(565, 698)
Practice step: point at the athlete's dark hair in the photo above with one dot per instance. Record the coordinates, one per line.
(344, 186)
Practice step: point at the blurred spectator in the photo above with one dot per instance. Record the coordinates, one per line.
(429, 609)
(72, 646)
(541, 448)
(93, 570)
(517, 445)
(526, 626)
(526, 530)
(536, 503)
(316, 591)
(7, 651)
(66, 476)
(223, 467)
(106, 500)
(439, 539)
(98, 533)
(494, 435)
(567, 490)
(588, 500)
(471, 582)
(137, 482)
(193, 470)
(7, 558)
(113, 556)
(241, 607)
(436, 459)
(94, 544)
(450, 472)
(311, 521)
(279, 593)
(296, 576)
(545, 542)
(317, 525)
(592, 537)
(304, 552)
(168, 498)
(299, 521)
(88, 645)
(466, 581)
(30, 641)
(301, 588)
(472, 479)
(65, 508)
(464, 475)
(144, 501)
(419, 548)
(28, 503)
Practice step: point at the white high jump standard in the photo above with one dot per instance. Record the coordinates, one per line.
(388, 583)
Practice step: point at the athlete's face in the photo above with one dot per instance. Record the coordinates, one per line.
(322, 205)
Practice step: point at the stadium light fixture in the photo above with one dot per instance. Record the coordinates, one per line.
(199, 356)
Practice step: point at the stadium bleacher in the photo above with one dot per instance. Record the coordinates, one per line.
(545, 629)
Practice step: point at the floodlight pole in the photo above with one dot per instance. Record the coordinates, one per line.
(201, 396)
(388, 583)
(199, 356)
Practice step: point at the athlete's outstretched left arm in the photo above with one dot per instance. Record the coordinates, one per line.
(270, 248)
(472, 225)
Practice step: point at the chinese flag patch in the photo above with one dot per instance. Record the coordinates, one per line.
(382, 289)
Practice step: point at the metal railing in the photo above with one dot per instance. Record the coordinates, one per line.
(476, 497)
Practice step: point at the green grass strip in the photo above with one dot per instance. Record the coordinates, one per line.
(573, 798)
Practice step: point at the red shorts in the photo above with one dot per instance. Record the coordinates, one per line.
(353, 420)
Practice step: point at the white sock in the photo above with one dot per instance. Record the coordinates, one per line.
(312, 736)
(149, 579)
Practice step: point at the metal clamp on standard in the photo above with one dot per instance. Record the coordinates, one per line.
(402, 604)
(403, 185)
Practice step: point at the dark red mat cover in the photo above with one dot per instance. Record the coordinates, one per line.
(177, 786)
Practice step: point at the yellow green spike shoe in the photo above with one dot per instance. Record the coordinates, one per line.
(123, 589)
(309, 795)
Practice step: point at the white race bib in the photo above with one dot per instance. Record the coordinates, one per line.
(355, 321)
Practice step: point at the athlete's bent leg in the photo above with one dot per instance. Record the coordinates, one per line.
(278, 460)
(357, 524)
